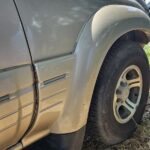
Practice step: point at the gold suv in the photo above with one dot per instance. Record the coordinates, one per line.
(66, 63)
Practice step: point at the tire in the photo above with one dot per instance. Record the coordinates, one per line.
(102, 113)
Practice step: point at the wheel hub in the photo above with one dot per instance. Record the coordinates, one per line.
(127, 94)
(123, 91)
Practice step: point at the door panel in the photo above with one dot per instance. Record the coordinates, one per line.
(16, 104)
(13, 48)
(52, 26)
(54, 80)
(16, 78)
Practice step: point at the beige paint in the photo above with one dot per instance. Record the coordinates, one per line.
(56, 99)
(81, 68)
(100, 33)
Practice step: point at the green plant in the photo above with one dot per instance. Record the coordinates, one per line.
(147, 51)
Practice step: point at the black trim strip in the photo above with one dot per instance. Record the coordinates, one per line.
(4, 98)
(14, 67)
(17, 94)
(49, 81)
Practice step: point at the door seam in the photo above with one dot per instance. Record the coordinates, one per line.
(35, 78)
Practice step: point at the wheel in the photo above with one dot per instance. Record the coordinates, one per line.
(121, 93)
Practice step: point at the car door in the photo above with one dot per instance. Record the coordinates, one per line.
(51, 41)
(16, 78)
(52, 28)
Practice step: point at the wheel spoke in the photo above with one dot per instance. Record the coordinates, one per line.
(128, 107)
(133, 105)
(127, 94)
(134, 83)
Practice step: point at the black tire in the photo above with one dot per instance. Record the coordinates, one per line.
(101, 117)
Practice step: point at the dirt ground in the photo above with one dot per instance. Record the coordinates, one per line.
(139, 141)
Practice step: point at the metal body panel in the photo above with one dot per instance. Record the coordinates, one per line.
(65, 83)
(13, 47)
(54, 81)
(96, 39)
(16, 104)
(16, 78)
(52, 26)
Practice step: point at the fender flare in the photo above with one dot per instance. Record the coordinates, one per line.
(93, 44)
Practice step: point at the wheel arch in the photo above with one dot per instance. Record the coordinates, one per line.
(110, 24)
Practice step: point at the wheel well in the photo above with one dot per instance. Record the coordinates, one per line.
(136, 36)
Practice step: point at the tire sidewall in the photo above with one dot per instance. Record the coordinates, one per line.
(105, 117)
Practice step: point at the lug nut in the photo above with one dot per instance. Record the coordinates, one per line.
(123, 84)
(118, 92)
(119, 100)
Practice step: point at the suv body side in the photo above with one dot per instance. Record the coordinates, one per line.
(68, 42)
(16, 78)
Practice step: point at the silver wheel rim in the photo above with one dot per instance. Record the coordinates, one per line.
(127, 94)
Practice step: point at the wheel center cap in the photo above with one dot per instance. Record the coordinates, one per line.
(125, 93)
